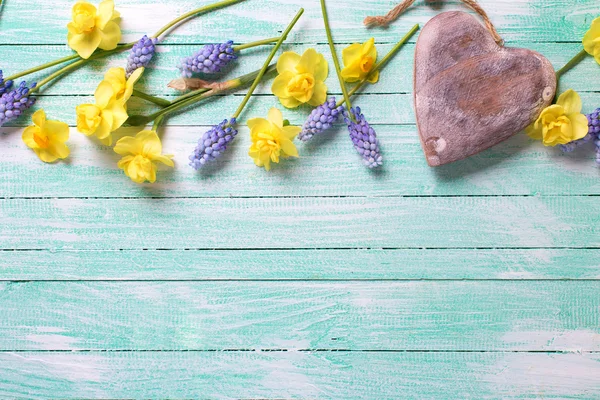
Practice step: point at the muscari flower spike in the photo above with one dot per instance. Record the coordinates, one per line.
(364, 138)
(141, 54)
(209, 60)
(15, 102)
(321, 119)
(4, 85)
(213, 143)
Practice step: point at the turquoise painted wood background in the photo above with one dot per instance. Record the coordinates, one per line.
(320, 279)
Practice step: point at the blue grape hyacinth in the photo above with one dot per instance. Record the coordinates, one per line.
(208, 60)
(141, 54)
(213, 143)
(364, 138)
(4, 85)
(15, 102)
(321, 119)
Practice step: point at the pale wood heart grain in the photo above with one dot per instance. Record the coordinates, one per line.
(470, 93)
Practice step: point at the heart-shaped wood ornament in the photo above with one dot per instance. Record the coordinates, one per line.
(471, 93)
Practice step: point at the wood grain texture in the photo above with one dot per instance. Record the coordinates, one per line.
(278, 265)
(479, 316)
(253, 374)
(470, 93)
(318, 279)
(224, 223)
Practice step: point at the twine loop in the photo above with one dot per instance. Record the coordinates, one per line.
(394, 13)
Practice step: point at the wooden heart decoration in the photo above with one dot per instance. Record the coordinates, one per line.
(471, 93)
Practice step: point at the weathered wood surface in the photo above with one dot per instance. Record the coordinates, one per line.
(475, 280)
(470, 93)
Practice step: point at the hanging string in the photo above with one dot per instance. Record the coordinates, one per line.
(384, 20)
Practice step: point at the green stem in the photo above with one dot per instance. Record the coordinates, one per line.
(255, 44)
(336, 61)
(157, 123)
(152, 99)
(574, 61)
(58, 73)
(194, 12)
(267, 62)
(383, 61)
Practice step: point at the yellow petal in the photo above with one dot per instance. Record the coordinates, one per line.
(351, 73)
(164, 158)
(105, 12)
(88, 118)
(85, 43)
(119, 115)
(287, 62)
(58, 131)
(570, 101)
(580, 126)
(288, 147)
(308, 62)
(351, 53)
(105, 128)
(107, 141)
(534, 132)
(28, 134)
(275, 117)
(280, 83)
(39, 118)
(46, 155)
(135, 76)
(150, 143)
(374, 77)
(321, 69)
(104, 94)
(319, 94)
(590, 38)
(369, 48)
(111, 35)
(289, 102)
(59, 150)
(259, 125)
(128, 145)
(291, 132)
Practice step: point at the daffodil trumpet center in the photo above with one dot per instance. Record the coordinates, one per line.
(41, 139)
(366, 64)
(302, 85)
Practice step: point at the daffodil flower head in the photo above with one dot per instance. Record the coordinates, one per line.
(560, 123)
(271, 140)
(359, 60)
(591, 40)
(301, 79)
(93, 28)
(122, 86)
(140, 155)
(47, 138)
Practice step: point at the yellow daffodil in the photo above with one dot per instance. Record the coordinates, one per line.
(47, 138)
(562, 122)
(359, 60)
(271, 140)
(122, 86)
(140, 154)
(92, 28)
(301, 79)
(591, 40)
(110, 111)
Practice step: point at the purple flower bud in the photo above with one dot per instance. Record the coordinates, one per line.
(4, 85)
(15, 102)
(141, 54)
(208, 60)
(321, 119)
(364, 138)
(213, 143)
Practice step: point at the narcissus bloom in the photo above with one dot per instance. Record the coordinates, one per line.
(47, 138)
(271, 140)
(92, 28)
(359, 60)
(140, 154)
(301, 79)
(560, 123)
(591, 40)
(110, 111)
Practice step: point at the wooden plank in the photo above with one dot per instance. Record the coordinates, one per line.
(405, 264)
(280, 223)
(435, 316)
(347, 375)
(389, 109)
(396, 78)
(516, 167)
(554, 20)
